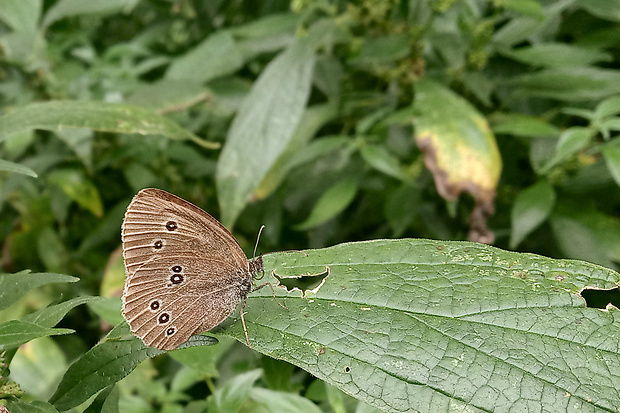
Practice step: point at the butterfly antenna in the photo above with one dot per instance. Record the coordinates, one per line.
(260, 231)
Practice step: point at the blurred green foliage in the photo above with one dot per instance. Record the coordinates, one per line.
(316, 108)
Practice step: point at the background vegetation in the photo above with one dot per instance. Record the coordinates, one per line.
(307, 117)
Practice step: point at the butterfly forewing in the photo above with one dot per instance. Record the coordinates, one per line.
(185, 272)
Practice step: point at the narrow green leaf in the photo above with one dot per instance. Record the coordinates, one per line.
(106, 363)
(68, 8)
(571, 141)
(608, 107)
(523, 28)
(576, 238)
(568, 84)
(522, 125)
(419, 325)
(611, 154)
(15, 286)
(333, 201)
(263, 127)
(558, 55)
(312, 120)
(105, 402)
(36, 406)
(20, 15)
(50, 316)
(14, 333)
(530, 8)
(100, 116)
(531, 208)
(379, 158)
(604, 9)
(78, 187)
(279, 401)
(218, 55)
(17, 168)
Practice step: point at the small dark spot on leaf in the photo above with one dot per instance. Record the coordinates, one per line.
(171, 226)
(347, 369)
(158, 244)
(322, 350)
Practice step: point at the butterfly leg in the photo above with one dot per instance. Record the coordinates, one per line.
(273, 293)
(245, 328)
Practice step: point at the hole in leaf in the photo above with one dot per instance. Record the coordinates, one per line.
(304, 282)
(597, 298)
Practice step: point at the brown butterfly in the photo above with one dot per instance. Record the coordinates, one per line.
(186, 273)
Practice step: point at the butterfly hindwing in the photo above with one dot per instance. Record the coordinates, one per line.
(185, 271)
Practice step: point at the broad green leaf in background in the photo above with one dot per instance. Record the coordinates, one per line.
(531, 208)
(583, 232)
(106, 363)
(611, 154)
(263, 127)
(333, 201)
(17, 332)
(100, 116)
(17, 168)
(419, 325)
(15, 286)
(38, 366)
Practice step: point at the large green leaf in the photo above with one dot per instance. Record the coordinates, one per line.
(106, 363)
(263, 127)
(15, 286)
(100, 116)
(419, 325)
